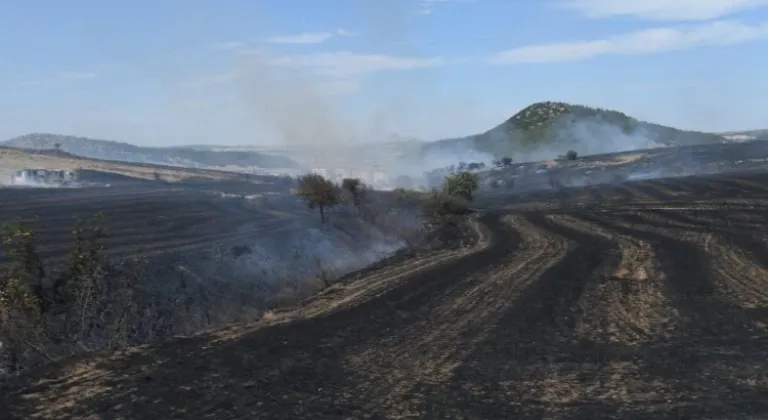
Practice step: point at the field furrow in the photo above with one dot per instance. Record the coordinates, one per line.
(741, 277)
(624, 301)
(430, 349)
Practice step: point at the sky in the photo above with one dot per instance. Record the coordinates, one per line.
(273, 72)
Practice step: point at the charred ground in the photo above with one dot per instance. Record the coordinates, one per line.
(638, 300)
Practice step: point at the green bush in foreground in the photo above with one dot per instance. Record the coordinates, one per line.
(446, 205)
(461, 185)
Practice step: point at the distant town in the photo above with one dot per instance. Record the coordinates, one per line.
(377, 179)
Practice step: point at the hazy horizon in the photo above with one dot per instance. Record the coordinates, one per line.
(296, 72)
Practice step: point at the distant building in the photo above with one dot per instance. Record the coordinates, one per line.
(341, 173)
(379, 177)
(364, 176)
(320, 171)
(42, 176)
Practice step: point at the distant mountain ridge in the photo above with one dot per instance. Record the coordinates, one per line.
(544, 130)
(173, 156)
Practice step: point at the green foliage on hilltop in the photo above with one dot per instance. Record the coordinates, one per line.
(535, 121)
(542, 114)
(538, 116)
(558, 125)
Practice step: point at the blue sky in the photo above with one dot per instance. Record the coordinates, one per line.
(270, 71)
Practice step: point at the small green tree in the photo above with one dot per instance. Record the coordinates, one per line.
(22, 283)
(318, 192)
(22, 302)
(47, 315)
(506, 161)
(443, 209)
(461, 185)
(571, 155)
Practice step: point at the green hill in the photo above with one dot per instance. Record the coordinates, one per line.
(546, 129)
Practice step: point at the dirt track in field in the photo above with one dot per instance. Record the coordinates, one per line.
(644, 301)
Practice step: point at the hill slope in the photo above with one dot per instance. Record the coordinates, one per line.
(14, 159)
(547, 129)
(124, 152)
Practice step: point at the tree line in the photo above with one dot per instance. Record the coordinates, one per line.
(438, 205)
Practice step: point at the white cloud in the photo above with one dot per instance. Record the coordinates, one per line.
(339, 87)
(327, 86)
(330, 72)
(309, 37)
(230, 45)
(74, 76)
(668, 10)
(648, 41)
(427, 7)
(211, 80)
(63, 78)
(346, 64)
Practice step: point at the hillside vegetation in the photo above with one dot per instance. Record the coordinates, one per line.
(546, 129)
(124, 152)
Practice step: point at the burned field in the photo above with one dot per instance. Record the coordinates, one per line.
(522, 179)
(146, 220)
(637, 300)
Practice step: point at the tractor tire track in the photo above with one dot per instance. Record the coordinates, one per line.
(741, 278)
(453, 325)
(690, 284)
(624, 301)
(648, 189)
(665, 189)
(550, 310)
(354, 291)
(509, 374)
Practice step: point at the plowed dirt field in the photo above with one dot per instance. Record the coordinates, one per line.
(642, 301)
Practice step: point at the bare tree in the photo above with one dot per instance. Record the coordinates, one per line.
(356, 190)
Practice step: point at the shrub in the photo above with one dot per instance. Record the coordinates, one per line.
(440, 208)
(461, 185)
